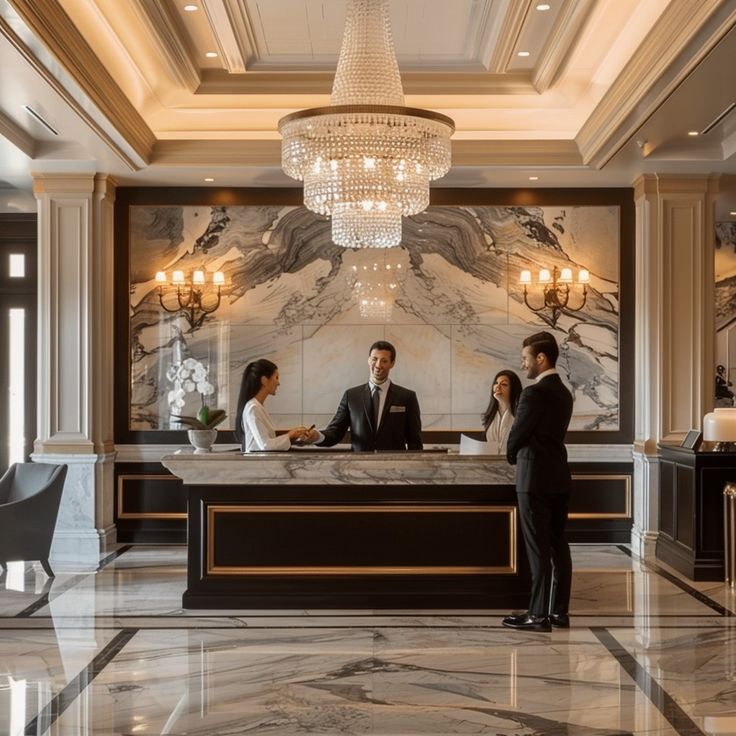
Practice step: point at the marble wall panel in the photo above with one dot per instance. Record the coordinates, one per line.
(448, 298)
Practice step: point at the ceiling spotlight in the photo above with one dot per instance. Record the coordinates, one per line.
(522, 53)
(533, 178)
(733, 214)
(543, 6)
(693, 133)
(191, 7)
(211, 54)
(209, 178)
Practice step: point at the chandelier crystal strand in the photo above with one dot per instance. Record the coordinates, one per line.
(366, 160)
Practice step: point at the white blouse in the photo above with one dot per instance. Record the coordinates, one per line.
(260, 434)
(497, 433)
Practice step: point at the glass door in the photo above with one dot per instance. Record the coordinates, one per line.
(18, 297)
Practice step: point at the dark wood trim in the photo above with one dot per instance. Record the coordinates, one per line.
(623, 198)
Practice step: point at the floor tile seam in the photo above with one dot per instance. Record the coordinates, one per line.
(650, 687)
(43, 721)
(693, 592)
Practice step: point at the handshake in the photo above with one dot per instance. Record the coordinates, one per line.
(303, 435)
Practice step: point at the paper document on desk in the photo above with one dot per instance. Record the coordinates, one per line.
(469, 446)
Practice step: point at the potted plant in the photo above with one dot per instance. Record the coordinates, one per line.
(187, 376)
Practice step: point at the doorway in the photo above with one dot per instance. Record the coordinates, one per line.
(18, 309)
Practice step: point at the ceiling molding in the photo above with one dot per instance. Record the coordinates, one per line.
(19, 137)
(509, 35)
(490, 22)
(217, 153)
(515, 153)
(219, 82)
(48, 22)
(688, 29)
(244, 153)
(168, 34)
(76, 106)
(231, 27)
(561, 42)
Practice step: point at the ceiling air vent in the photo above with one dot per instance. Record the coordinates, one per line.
(717, 119)
(40, 119)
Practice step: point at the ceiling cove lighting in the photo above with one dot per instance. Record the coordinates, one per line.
(366, 159)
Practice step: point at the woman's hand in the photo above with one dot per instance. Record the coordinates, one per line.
(297, 434)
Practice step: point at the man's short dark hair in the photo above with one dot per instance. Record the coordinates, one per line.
(543, 342)
(383, 345)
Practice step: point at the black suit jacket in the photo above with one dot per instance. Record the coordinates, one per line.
(400, 427)
(536, 443)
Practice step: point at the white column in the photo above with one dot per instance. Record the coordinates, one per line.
(75, 358)
(675, 240)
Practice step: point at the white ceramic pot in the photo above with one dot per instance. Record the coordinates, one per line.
(202, 439)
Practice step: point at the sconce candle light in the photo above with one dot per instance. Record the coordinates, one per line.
(555, 290)
(190, 294)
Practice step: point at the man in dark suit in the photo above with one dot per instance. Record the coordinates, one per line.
(536, 445)
(379, 414)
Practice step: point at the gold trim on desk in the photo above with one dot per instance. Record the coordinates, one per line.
(145, 514)
(602, 476)
(213, 510)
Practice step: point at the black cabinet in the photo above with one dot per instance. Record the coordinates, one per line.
(691, 510)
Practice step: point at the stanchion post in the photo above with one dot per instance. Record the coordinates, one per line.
(729, 531)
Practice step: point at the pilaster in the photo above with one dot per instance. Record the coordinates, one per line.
(75, 357)
(675, 240)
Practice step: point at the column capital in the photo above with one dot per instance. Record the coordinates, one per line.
(63, 184)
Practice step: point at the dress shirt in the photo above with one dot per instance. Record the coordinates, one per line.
(498, 431)
(548, 372)
(260, 434)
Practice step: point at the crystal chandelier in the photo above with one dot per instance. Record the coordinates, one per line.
(366, 160)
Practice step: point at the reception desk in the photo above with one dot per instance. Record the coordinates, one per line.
(322, 529)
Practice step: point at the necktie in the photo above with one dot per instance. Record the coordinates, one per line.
(376, 405)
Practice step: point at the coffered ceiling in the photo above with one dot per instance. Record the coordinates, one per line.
(574, 92)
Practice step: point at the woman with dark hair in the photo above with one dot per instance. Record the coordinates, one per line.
(499, 416)
(253, 425)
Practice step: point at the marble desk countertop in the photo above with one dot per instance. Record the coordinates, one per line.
(305, 467)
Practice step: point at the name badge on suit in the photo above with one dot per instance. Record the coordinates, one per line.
(395, 409)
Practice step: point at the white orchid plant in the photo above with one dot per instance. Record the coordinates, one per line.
(191, 375)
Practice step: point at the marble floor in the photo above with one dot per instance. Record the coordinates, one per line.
(112, 652)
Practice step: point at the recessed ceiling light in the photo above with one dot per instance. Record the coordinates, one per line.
(209, 178)
(522, 53)
(191, 7)
(533, 178)
(732, 213)
(693, 132)
(211, 54)
(543, 6)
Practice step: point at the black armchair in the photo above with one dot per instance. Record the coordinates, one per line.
(30, 494)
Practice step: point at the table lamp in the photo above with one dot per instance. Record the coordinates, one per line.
(719, 426)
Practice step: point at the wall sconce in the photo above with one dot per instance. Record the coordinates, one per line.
(555, 290)
(190, 294)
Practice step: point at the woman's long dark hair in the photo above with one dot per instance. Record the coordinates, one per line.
(514, 394)
(250, 385)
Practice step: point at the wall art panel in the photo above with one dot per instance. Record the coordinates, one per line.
(449, 299)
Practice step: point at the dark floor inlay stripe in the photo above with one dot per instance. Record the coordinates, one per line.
(113, 556)
(682, 585)
(661, 700)
(49, 715)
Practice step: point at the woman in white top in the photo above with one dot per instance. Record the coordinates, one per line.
(254, 427)
(499, 416)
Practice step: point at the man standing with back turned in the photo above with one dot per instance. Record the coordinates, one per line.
(536, 445)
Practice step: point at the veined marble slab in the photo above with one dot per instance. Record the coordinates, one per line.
(338, 468)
